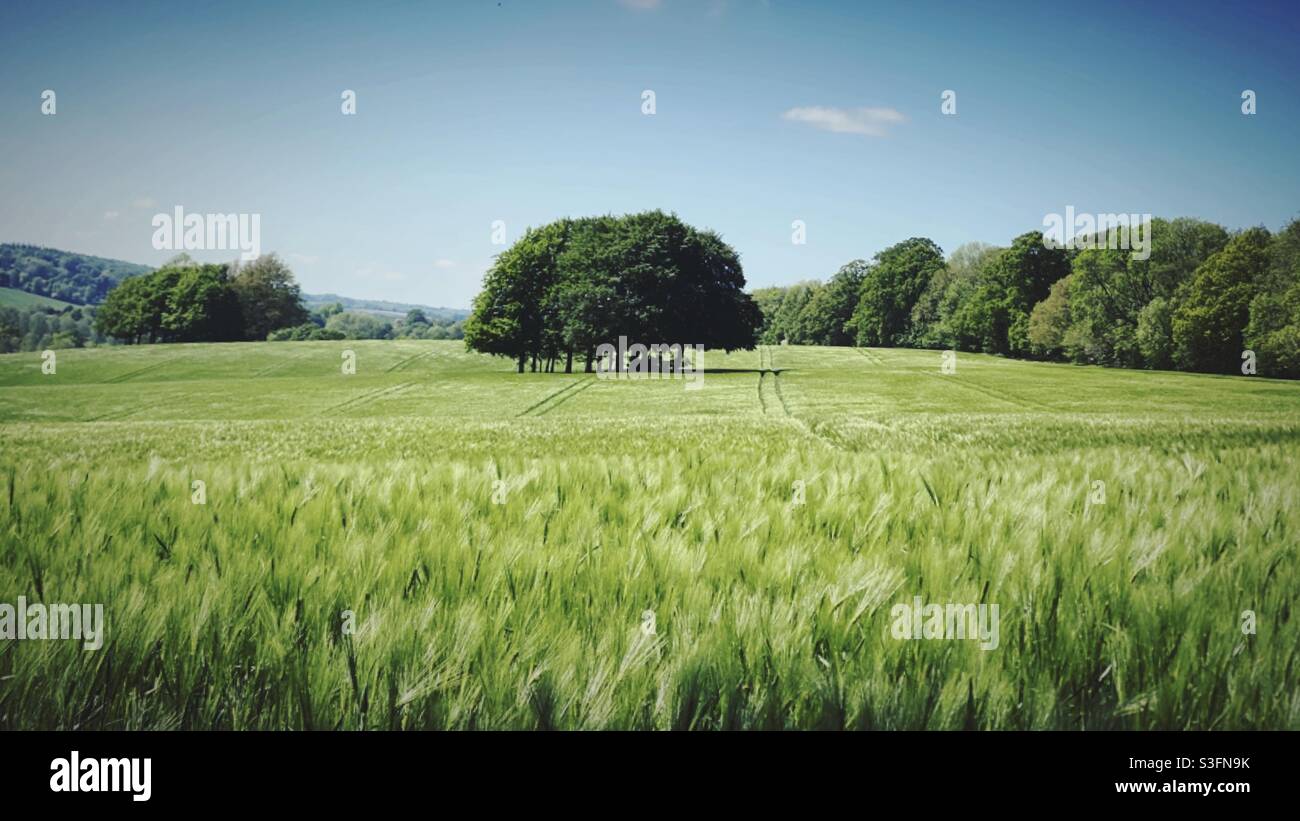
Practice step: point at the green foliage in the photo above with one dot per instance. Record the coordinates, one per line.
(268, 296)
(201, 306)
(304, 332)
(827, 316)
(34, 327)
(359, 325)
(1210, 320)
(1011, 285)
(1049, 322)
(891, 288)
(941, 318)
(76, 278)
(1274, 328)
(187, 302)
(1155, 333)
(565, 288)
(787, 314)
(1111, 287)
(180, 302)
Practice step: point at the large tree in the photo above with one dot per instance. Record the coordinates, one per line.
(269, 297)
(1210, 321)
(202, 307)
(1112, 286)
(994, 316)
(1274, 328)
(890, 289)
(827, 317)
(507, 316)
(569, 286)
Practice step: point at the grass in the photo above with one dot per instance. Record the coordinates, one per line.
(15, 298)
(497, 539)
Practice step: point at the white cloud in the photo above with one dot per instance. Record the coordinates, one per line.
(444, 263)
(872, 122)
(641, 5)
(110, 215)
(305, 259)
(145, 202)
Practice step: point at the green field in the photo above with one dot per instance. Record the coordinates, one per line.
(15, 298)
(498, 539)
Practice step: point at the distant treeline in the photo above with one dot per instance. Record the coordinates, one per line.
(63, 275)
(38, 328)
(564, 289)
(184, 301)
(1202, 298)
(395, 310)
(333, 322)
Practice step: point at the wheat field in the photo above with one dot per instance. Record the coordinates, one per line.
(436, 541)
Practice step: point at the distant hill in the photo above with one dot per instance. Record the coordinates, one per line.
(63, 275)
(14, 298)
(382, 307)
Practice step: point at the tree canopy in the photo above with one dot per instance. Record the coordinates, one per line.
(1198, 301)
(567, 287)
(184, 301)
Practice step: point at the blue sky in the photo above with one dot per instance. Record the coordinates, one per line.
(471, 112)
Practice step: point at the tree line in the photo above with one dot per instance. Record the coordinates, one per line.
(1201, 299)
(569, 286)
(185, 301)
(39, 328)
(331, 321)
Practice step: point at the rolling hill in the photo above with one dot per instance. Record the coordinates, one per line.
(66, 277)
(14, 298)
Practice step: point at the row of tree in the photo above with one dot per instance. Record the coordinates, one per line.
(331, 321)
(187, 302)
(38, 328)
(1201, 298)
(565, 288)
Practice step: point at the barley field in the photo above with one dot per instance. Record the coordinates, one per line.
(436, 541)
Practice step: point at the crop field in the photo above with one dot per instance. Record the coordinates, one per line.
(12, 297)
(436, 541)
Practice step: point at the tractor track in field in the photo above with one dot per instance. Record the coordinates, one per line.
(565, 398)
(994, 393)
(117, 414)
(122, 377)
(409, 361)
(871, 357)
(769, 376)
(269, 369)
(368, 397)
(558, 397)
(776, 382)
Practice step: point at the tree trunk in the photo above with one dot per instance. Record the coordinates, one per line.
(568, 362)
(522, 357)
